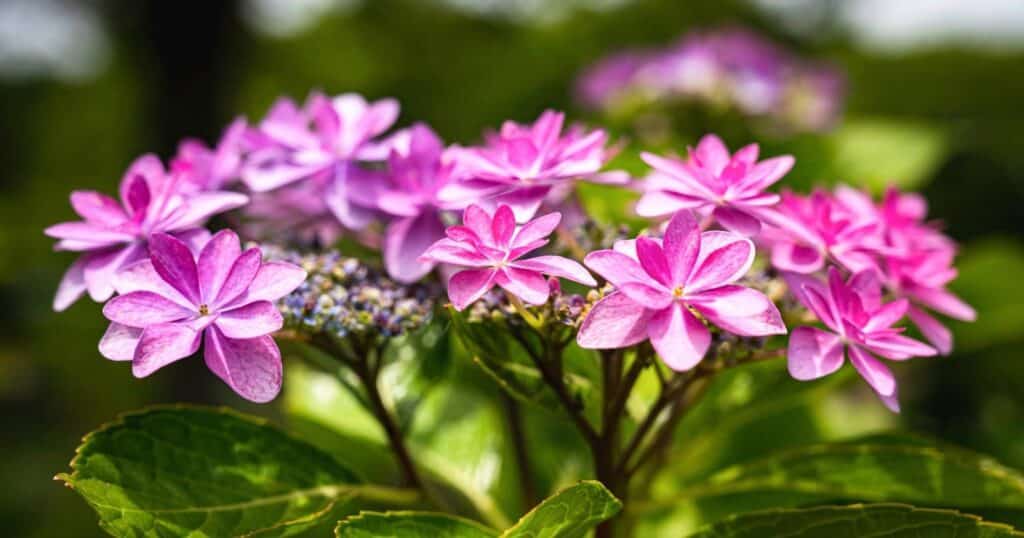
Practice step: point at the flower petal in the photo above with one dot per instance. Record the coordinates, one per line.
(98, 208)
(657, 203)
(680, 339)
(72, 285)
(467, 286)
(946, 303)
(739, 310)
(616, 267)
(163, 344)
(935, 332)
(711, 153)
(536, 229)
(654, 298)
(557, 266)
(406, 240)
(878, 375)
(813, 353)
(652, 259)
(119, 342)
(142, 276)
(249, 321)
(503, 226)
(898, 347)
(101, 269)
(143, 308)
(273, 281)
(736, 220)
(173, 261)
(198, 208)
(251, 367)
(724, 257)
(789, 256)
(615, 321)
(530, 286)
(885, 316)
(479, 221)
(454, 252)
(239, 278)
(681, 245)
(215, 262)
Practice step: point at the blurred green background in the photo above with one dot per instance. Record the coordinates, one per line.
(934, 104)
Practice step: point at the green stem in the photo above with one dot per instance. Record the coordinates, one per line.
(520, 450)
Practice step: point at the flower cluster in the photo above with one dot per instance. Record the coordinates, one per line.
(489, 219)
(731, 67)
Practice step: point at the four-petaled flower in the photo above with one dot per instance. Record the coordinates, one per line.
(521, 165)
(168, 303)
(659, 284)
(730, 187)
(491, 249)
(113, 235)
(859, 323)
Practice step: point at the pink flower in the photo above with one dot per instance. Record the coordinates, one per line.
(210, 169)
(327, 139)
(114, 234)
(659, 285)
(416, 173)
(521, 165)
(730, 187)
(224, 298)
(491, 248)
(858, 323)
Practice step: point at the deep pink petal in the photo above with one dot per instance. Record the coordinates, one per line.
(646, 295)
(521, 153)
(72, 285)
(722, 260)
(405, 241)
(479, 221)
(737, 220)
(652, 259)
(503, 226)
(813, 353)
(681, 246)
(239, 278)
(898, 347)
(873, 371)
(530, 286)
(557, 266)
(119, 342)
(739, 310)
(174, 263)
(254, 319)
(820, 303)
(712, 153)
(680, 339)
(536, 229)
(614, 322)
(935, 332)
(163, 344)
(251, 367)
(467, 286)
(215, 262)
(887, 315)
(789, 256)
(616, 267)
(448, 251)
(142, 309)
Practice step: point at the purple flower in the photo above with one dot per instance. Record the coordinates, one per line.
(520, 165)
(224, 297)
(491, 248)
(659, 284)
(325, 140)
(416, 173)
(858, 323)
(210, 169)
(606, 81)
(114, 234)
(730, 187)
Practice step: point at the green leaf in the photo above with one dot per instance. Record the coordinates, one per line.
(858, 521)
(199, 472)
(875, 152)
(569, 513)
(410, 525)
(982, 282)
(876, 468)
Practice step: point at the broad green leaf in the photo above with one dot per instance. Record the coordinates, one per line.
(410, 525)
(875, 153)
(876, 468)
(192, 471)
(858, 521)
(570, 513)
(982, 282)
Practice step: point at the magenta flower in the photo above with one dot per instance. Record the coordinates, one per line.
(491, 248)
(327, 139)
(858, 323)
(224, 298)
(659, 285)
(521, 165)
(730, 187)
(114, 234)
(210, 169)
(415, 175)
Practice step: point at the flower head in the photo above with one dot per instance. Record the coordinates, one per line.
(210, 169)
(491, 248)
(521, 165)
(858, 323)
(223, 297)
(730, 187)
(659, 286)
(113, 234)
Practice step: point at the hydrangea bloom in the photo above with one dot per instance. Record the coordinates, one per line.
(657, 285)
(491, 248)
(729, 187)
(415, 175)
(114, 234)
(222, 297)
(210, 169)
(323, 141)
(859, 323)
(522, 164)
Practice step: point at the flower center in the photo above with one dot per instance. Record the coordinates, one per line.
(678, 292)
(204, 310)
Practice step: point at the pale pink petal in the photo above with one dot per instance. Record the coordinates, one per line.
(405, 242)
(898, 347)
(251, 367)
(479, 221)
(820, 303)
(687, 183)
(467, 286)
(680, 339)
(215, 262)
(652, 259)
(273, 281)
(647, 295)
(614, 322)
(660, 203)
(946, 303)
(503, 226)
(239, 278)
(101, 269)
(737, 220)
(557, 266)
(119, 342)
(720, 262)
(747, 154)
(200, 207)
(142, 276)
(789, 256)
(93, 235)
(739, 310)
(873, 371)
(529, 286)
(712, 153)
(521, 153)
(934, 331)
(766, 173)
(813, 353)
(536, 229)
(72, 285)
(885, 316)
(174, 263)
(615, 267)
(681, 246)
(98, 208)
(254, 319)
(163, 344)
(456, 253)
(142, 309)
(524, 201)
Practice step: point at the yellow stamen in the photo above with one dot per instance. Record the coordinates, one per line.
(204, 310)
